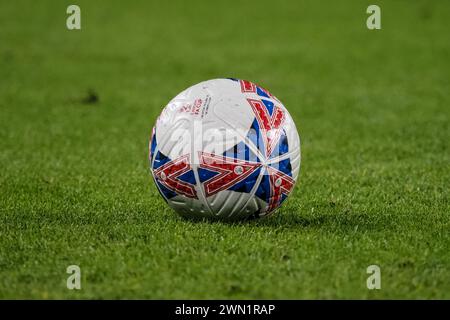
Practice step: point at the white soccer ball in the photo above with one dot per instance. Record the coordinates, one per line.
(225, 148)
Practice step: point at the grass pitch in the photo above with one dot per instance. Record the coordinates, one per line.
(372, 108)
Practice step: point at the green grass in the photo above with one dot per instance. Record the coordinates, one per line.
(372, 108)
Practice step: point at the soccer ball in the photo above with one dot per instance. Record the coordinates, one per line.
(225, 148)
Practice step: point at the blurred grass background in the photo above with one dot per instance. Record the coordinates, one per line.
(77, 107)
